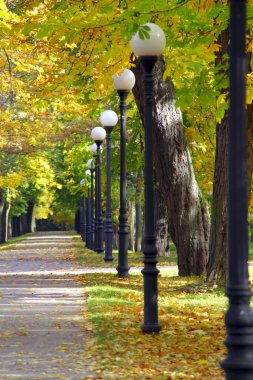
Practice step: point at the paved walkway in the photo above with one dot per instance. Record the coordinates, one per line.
(41, 328)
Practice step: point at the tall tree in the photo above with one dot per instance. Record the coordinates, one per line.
(217, 264)
(189, 219)
(161, 221)
(56, 61)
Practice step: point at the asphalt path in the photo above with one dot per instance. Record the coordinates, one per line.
(42, 333)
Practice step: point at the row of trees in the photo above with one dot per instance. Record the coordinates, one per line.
(57, 59)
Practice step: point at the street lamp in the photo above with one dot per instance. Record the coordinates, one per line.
(239, 318)
(98, 135)
(123, 84)
(91, 167)
(148, 51)
(83, 219)
(93, 150)
(88, 214)
(108, 119)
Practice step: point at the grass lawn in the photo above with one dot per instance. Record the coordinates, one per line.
(92, 259)
(190, 345)
(13, 241)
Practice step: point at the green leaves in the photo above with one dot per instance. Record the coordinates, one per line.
(63, 54)
(144, 32)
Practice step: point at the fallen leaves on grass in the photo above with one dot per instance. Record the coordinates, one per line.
(190, 345)
(90, 258)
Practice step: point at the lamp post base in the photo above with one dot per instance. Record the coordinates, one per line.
(108, 232)
(123, 232)
(151, 328)
(239, 321)
(123, 271)
(108, 259)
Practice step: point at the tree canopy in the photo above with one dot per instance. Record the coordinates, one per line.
(56, 63)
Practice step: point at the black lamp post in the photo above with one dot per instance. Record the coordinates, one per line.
(91, 167)
(88, 213)
(239, 318)
(108, 119)
(148, 50)
(93, 150)
(123, 84)
(83, 219)
(98, 134)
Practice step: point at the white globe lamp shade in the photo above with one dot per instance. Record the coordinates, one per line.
(87, 172)
(152, 46)
(124, 81)
(108, 118)
(90, 163)
(98, 134)
(93, 148)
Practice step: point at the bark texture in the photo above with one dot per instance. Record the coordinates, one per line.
(250, 131)
(14, 228)
(77, 221)
(250, 147)
(23, 224)
(4, 210)
(29, 217)
(131, 218)
(161, 223)
(217, 264)
(4, 215)
(2, 203)
(138, 222)
(188, 212)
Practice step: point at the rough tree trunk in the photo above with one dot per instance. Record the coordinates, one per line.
(138, 222)
(14, 228)
(250, 146)
(18, 231)
(161, 224)
(188, 213)
(10, 233)
(77, 221)
(7, 212)
(217, 264)
(23, 224)
(4, 214)
(131, 216)
(29, 216)
(4, 221)
(2, 203)
(115, 240)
